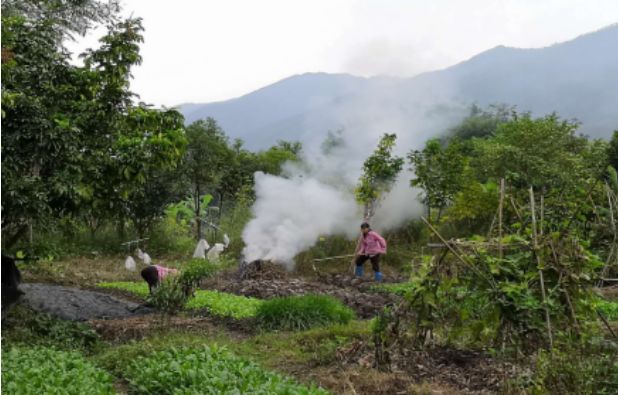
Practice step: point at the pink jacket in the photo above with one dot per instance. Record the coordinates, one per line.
(164, 271)
(372, 244)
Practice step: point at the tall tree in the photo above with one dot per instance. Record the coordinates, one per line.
(439, 171)
(206, 161)
(71, 135)
(380, 171)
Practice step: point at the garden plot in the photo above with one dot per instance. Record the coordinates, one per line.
(359, 297)
(217, 303)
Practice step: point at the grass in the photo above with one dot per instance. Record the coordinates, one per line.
(396, 288)
(206, 370)
(302, 312)
(41, 370)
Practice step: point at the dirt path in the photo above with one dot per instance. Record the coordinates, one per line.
(78, 304)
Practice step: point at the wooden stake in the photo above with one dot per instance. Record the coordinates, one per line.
(538, 263)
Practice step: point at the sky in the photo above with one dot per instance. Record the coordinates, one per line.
(204, 51)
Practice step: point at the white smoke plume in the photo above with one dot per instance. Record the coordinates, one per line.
(290, 213)
(315, 197)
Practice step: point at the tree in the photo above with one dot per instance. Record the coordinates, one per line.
(332, 142)
(542, 152)
(69, 17)
(439, 171)
(380, 171)
(206, 161)
(72, 139)
(271, 160)
(482, 123)
(612, 151)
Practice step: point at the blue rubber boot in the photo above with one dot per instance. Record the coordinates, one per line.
(378, 276)
(359, 271)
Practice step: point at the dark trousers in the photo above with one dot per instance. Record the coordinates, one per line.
(375, 261)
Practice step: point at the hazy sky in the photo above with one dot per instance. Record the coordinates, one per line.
(201, 51)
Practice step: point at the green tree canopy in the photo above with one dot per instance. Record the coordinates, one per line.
(439, 171)
(380, 171)
(71, 136)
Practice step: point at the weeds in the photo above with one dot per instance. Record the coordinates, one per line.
(572, 371)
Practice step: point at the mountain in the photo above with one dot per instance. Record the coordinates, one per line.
(577, 79)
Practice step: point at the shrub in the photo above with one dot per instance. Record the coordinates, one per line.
(174, 292)
(224, 304)
(196, 270)
(41, 370)
(170, 296)
(170, 237)
(206, 370)
(302, 312)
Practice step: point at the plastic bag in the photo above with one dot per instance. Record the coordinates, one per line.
(213, 253)
(200, 249)
(129, 264)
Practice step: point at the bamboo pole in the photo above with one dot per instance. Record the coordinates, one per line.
(542, 215)
(612, 251)
(538, 262)
(457, 255)
(333, 257)
(500, 207)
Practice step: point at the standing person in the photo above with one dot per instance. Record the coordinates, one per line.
(371, 247)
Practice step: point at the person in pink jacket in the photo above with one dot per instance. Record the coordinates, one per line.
(371, 247)
(154, 274)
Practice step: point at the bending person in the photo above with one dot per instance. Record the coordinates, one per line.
(154, 274)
